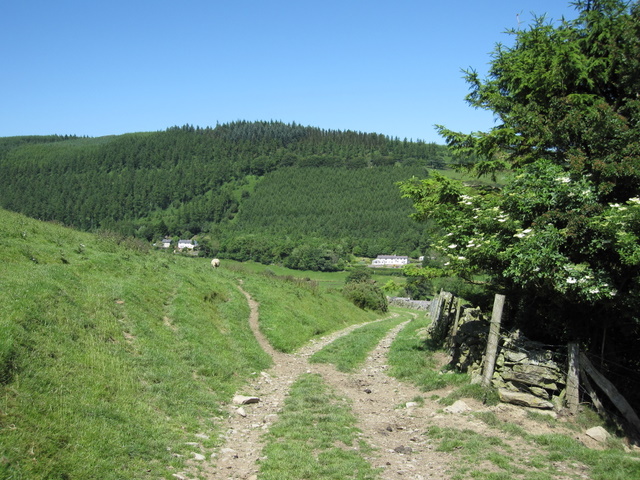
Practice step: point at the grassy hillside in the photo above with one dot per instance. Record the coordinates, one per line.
(112, 357)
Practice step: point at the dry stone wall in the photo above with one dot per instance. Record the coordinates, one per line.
(526, 373)
(408, 303)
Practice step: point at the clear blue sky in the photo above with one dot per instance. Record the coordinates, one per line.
(112, 67)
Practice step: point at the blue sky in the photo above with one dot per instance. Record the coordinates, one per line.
(103, 68)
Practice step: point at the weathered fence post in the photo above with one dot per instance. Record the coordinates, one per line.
(436, 306)
(573, 384)
(492, 341)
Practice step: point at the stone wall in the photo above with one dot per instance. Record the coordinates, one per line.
(526, 372)
(408, 303)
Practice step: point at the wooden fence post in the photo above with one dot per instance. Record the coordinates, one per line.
(492, 341)
(573, 398)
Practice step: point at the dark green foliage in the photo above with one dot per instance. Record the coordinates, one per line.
(562, 238)
(296, 187)
(419, 288)
(354, 211)
(358, 275)
(307, 257)
(366, 295)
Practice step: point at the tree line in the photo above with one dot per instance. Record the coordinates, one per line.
(190, 180)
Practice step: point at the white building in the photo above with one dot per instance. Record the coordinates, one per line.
(190, 244)
(390, 261)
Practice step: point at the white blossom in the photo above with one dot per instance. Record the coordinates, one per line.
(571, 280)
(453, 245)
(563, 179)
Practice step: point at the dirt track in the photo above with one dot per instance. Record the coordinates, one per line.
(395, 431)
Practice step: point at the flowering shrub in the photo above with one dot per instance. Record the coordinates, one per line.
(562, 237)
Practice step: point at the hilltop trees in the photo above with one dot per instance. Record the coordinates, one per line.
(563, 237)
(266, 191)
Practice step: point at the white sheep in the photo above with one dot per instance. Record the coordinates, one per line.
(215, 263)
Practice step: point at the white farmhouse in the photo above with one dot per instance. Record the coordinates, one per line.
(189, 244)
(390, 261)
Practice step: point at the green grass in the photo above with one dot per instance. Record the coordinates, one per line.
(113, 357)
(325, 280)
(553, 449)
(293, 310)
(350, 351)
(315, 437)
(411, 359)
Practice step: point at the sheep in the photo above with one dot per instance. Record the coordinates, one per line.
(215, 263)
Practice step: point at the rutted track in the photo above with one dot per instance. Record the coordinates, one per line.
(395, 430)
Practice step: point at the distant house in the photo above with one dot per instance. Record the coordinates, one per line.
(166, 243)
(188, 244)
(390, 261)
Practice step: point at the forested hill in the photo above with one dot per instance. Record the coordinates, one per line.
(189, 180)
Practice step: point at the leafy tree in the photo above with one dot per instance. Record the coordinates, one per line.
(562, 238)
(358, 275)
(366, 295)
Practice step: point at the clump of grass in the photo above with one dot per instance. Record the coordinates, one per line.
(350, 351)
(411, 358)
(451, 439)
(315, 437)
(611, 463)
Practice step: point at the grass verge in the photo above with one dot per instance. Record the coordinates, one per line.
(413, 358)
(315, 437)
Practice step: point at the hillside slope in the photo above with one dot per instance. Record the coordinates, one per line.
(113, 357)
